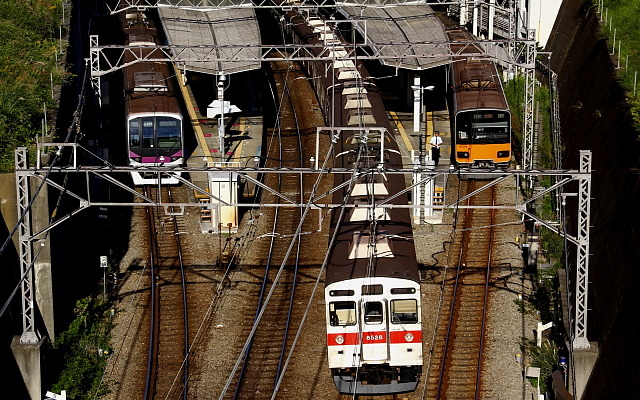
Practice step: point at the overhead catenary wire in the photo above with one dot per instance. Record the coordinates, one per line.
(273, 286)
(322, 269)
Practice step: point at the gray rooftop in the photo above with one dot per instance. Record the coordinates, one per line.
(223, 27)
(412, 24)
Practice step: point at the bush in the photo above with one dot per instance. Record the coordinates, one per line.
(83, 349)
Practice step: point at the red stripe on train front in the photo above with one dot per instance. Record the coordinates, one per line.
(406, 337)
(351, 338)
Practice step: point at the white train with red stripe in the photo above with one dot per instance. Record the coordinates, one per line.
(374, 335)
(372, 292)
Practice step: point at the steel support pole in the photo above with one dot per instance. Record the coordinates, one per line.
(29, 333)
(529, 97)
(94, 60)
(492, 16)
(580, 340)
(417, 103)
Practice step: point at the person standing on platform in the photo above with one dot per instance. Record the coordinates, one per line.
(436, 142)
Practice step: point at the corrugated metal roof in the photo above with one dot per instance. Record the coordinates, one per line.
(405, 24)
(224, 27)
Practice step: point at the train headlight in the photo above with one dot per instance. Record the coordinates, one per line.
(137, 159)
(462, 154)
(503, 154)
(408, 337)
(339, 339)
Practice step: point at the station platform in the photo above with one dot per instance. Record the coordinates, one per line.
(242, 147)
(410, 144)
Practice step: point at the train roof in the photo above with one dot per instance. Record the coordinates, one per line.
(477, 86)
(393, 235)
(149, 87)
(396, 256)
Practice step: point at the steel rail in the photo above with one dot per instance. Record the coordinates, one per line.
(153, 352)
(465, 260)
(486, 301)
(154, 325)
(272, 244)
(287, 93)
(185, 318)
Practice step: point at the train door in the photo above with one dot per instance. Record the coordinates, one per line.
(375, 328)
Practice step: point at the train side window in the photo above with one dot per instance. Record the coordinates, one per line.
(342, 313)
(404, 311)
(373, 312)
(147, 133)
(134, 133)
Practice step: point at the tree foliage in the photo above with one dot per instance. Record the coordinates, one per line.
(28, 69)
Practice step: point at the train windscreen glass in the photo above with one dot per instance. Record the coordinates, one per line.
(168, 132)
(482, 127)
(134, 134)
(404, 311)
(147, 133)
(373, 312)
(150, 132)
(342, 313)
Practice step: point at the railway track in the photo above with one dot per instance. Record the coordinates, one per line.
(289, 143)
(165, 325)
(157, 366)
(455, 369)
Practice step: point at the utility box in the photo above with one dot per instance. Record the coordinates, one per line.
(223, 186)
(219, 212)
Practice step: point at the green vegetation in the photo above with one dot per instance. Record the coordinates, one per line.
(544, 357)
(514, 91)
(622, 21)
(546, 296)
(83, 350)
(28, 69)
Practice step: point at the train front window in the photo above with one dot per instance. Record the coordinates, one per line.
(404, 311)
(134, 133)
(168, 132)
(342, 313)
(482, 127)
(373, 313)
(147, 133)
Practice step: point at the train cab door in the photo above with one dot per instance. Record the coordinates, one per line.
(375, 328)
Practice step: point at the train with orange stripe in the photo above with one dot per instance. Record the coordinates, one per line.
(372, 286)
(480, 116)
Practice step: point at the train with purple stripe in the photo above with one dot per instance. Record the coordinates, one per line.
(152, 108)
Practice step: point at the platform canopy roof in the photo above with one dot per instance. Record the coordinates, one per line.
(406, 24)
(223, 27)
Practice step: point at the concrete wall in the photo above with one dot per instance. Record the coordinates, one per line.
(8, 208)
(594, 117)
(542, 15)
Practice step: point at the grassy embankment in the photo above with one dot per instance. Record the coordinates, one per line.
(620, 19)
